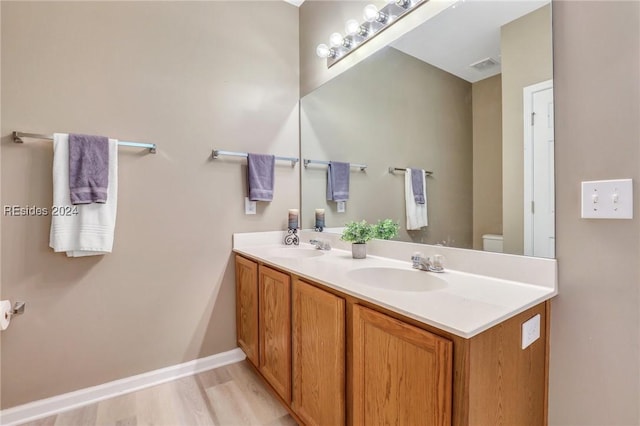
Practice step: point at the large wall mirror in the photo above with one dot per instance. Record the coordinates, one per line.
(468, 96)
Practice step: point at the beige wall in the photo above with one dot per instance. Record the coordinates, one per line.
(526, 47)
(595, 329)
(392, 110)
(487, 158)
(189, 76)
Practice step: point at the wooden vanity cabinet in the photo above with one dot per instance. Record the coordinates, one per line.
(318, 355)
(400, 374)
(263, 322)
(274, 325)
(247, 308)
(335, 359)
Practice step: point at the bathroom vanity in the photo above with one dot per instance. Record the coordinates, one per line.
(344, 341)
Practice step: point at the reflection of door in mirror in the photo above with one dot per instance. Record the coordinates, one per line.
(447, 101)
(539, 203)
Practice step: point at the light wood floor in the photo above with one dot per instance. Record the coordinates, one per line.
(231, 395)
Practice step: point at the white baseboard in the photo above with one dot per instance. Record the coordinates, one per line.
(68, 401)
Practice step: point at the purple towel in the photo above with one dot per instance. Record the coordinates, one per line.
(260, 173)
(417, 184)
(88, 168)
(338, 181)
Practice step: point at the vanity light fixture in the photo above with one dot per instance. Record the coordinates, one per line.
(357, 33)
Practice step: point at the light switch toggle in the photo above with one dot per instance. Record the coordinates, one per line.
(607, 199)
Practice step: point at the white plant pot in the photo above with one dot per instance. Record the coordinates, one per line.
(359, 250)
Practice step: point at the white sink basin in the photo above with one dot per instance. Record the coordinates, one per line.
(295, 252)
(397, 279)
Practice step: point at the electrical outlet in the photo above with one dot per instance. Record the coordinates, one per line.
(342, 206)
(530, 331)
(249, 206)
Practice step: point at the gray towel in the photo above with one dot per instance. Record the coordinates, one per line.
(338, 181)
(260, 173)
(88, 169)
(417, 184)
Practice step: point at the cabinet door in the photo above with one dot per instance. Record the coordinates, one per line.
(275, 330)
(401, 374)
(318, 355)
(247, 307)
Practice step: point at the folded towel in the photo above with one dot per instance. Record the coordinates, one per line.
(90, 231)
(260, 173)
(88, 168)
(417, 184)
(416, 213)
(338, 181)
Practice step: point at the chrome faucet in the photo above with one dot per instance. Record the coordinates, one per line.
(321, 244)
(424, 263)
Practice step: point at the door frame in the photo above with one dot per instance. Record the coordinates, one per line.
(527, 97)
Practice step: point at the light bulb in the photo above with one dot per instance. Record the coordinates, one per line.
(352, 27)
(336, 40)
(370, 13)
(324, 51)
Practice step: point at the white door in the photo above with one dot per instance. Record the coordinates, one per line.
(539, 171)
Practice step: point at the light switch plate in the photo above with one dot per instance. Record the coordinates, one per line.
(342, 206)
(249, 206)
(530, 331)
(607, 199)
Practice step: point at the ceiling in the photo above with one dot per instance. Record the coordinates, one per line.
(464, 34)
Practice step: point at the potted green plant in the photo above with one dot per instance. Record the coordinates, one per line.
(385, 229)
(358, 233)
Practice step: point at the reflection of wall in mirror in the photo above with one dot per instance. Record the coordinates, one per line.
(526, 46)
(487, 158)
(392, 110)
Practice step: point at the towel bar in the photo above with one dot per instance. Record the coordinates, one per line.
(216, 153)
(362, 167)
(17, 138)
(402, 169)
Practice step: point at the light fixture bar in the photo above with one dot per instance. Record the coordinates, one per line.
(374, 24)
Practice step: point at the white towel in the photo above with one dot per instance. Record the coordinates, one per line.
(416, 213)
(90, 231)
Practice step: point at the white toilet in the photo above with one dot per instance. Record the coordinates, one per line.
(492, 242)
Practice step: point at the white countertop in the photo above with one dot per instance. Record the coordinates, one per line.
(467, 305)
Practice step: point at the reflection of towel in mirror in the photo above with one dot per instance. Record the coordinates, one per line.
(90, 231)
(260, 171)
(338, 181)
(416, 213)
(417, 184)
